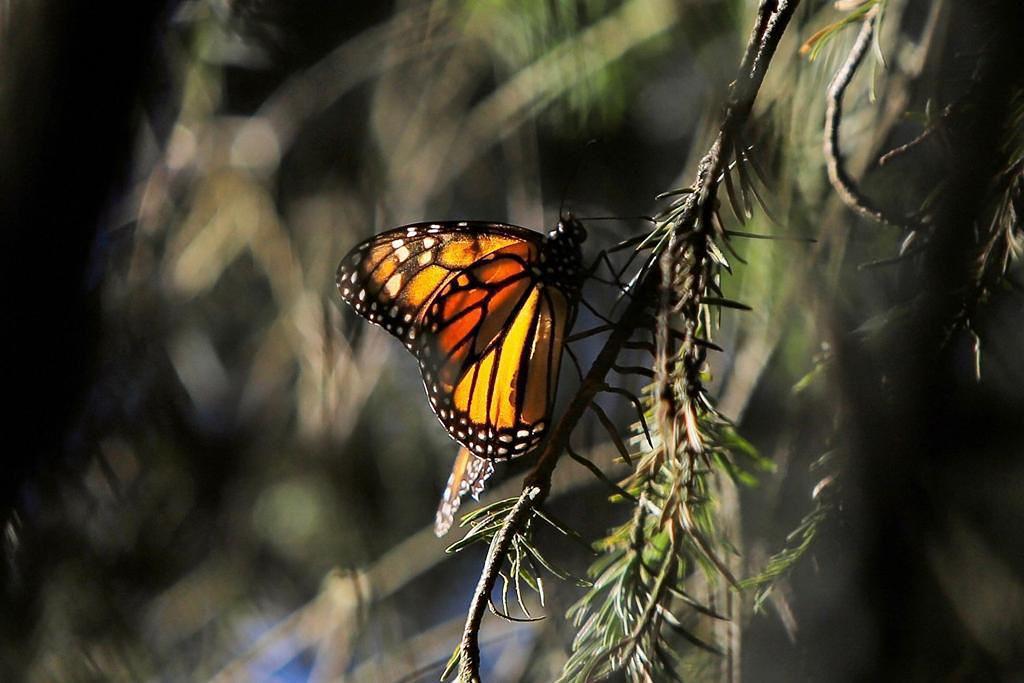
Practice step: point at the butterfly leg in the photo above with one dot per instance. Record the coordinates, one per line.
(599, 474)
(632, 398)
(600, 316)
(589, 333)
(604, 260)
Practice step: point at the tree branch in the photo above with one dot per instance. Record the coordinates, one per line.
(845, 186)
(538, 485)
(772, 20)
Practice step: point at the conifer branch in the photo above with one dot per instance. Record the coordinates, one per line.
(648, 559)
(685, 235)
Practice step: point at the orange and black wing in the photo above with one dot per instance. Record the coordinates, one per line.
(491, 350)
(391, 278)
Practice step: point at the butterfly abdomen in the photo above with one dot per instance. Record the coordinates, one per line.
(561, 259)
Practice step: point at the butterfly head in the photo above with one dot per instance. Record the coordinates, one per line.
(569, 229)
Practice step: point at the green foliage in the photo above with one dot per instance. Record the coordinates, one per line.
(594, 89)
(799, 541)
(642, 603)
(524, 560)
(813, 46)
(640, 607)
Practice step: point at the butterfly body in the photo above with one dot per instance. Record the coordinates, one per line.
(485, 309)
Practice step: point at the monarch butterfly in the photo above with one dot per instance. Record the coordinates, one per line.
(485, 308)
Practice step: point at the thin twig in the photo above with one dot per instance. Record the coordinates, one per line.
(920, 138)
(845, 186)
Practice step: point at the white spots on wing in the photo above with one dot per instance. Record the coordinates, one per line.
(507, 438)
(354, 277)
(522, 433)
(362, 294)
(393, 312)
(463, 224)
(426, 257)
(356, 258)
(346, 292)
(393, 285)
(407, 317)
(429, 242)
(402, 253)
(397, 243)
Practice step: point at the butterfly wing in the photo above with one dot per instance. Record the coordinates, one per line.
(390, 278)
(491, 350)
(469, 473)
(466, 298)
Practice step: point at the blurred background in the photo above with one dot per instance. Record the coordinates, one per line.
(214, 470)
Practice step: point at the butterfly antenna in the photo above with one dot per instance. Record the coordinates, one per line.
(575, 171)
